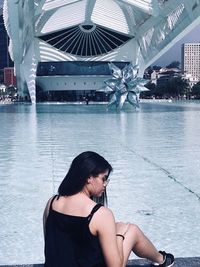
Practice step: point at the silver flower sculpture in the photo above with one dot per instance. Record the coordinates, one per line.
(124, 85)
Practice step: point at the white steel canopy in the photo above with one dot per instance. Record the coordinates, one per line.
(137, 31)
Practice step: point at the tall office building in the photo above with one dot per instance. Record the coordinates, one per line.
(191, 61)
(5, 60)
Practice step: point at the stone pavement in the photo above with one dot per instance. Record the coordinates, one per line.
(179, 262)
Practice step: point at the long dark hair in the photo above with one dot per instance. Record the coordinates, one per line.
(83, 166)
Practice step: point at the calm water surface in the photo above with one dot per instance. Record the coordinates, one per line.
(155, 153)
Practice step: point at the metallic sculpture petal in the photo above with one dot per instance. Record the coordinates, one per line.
(122, 100)
(141, 81)
(116, 72)
(105, 89)
(133, 99)
(127, 73)
(113, 99)
(112, 83)
(124, 86)
(141, 88)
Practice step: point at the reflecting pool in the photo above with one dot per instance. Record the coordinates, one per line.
(155, 153)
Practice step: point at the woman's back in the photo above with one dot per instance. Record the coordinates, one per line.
(69, 242)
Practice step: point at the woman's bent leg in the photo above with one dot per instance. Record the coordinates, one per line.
(136, 241)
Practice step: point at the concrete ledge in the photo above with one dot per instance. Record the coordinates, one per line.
(179, 262)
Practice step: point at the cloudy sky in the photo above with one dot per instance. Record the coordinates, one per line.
(175, 52)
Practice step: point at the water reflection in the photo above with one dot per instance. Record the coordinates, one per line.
(154, 151)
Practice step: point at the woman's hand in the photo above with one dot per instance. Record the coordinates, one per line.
(121, 228)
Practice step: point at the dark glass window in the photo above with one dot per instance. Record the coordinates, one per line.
(5, 60)
(76, 68)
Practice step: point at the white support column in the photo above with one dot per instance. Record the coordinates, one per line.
(29, 67)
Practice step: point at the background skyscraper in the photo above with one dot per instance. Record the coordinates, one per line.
(5, 60)
(191, 61)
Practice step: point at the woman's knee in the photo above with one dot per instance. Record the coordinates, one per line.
(129, 228)
(122, 227)
(134, 229)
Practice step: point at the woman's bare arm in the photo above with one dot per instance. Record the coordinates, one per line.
(112, 245)
(46, 213)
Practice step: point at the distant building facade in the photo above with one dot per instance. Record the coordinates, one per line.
(191, 62)
(9, 76)
(5, 60)
(165, 74)
(162, 76)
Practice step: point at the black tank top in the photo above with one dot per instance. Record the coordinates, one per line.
(69, 242)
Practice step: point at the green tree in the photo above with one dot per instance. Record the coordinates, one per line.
(150, 93)
(196, 90)
(173, 64)
(11, 91)
(155, 67)
(160, 91)
(177, 87)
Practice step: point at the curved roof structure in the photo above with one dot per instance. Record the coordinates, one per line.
(137, 31)
(86, 40)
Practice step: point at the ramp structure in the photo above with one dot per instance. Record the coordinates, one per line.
(67, 44)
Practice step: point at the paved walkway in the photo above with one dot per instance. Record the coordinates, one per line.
(180, 262)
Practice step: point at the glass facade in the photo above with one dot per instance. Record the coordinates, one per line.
(76, 68)
(84, 96)
(5, 60)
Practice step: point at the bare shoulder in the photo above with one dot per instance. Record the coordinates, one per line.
(104, 214)
(105, 210)
(102, 219)
(103, 222)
